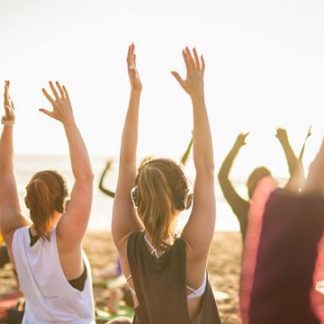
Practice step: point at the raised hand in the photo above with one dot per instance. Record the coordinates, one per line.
(132, 71)
(9, 108)
(195, 67)
(62, 109)
(241, 139)
(281, 134)
(109, 164)
(309, 133)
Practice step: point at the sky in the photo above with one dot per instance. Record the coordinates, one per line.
(264, 69)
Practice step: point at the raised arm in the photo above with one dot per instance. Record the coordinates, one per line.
(199, 230)
(297, 180)
(296, 170)
(125, 219)
(291, 158)
(73, 224)
(185, 156)
(239, 205)
(101, 181)
(10, 211)
(302, 151)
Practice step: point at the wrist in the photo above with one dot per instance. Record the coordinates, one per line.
(198, 98)
(6, 122)
(69, 122)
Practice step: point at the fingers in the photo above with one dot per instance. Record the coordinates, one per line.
(131, 56)
(192, 60)
(54, 90)
(46, 112)
(177, 77)
(12, 104)
(6, 94)
(202, 63)
(186, 58)
(197, 62)
(66, 94)
(58, 95)
(60, 90)
(48, 97)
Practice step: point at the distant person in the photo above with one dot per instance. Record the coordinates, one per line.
(53, 271)
(281, 278)
(4, 255)
(239, 205)
(166, 273)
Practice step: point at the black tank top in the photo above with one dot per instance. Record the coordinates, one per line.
(160, 285)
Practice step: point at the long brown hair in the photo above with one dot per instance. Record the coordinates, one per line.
(162, 188)
(45, 193)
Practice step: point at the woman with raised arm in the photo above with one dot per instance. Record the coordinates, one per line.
(54, 273)
(167, 274)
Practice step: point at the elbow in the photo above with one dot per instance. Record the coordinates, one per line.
(90, 176)
(206, 168)
(221, 175)
(86, 177)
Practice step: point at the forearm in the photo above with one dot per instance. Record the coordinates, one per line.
(290, 155)
(103, 175)
(228, 162)
(130, 132)
(101, 186)
(80, 161)
(185, 155)
(203, 148)
(6, 151)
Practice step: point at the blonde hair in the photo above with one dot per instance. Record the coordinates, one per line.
(45, 193)
(161, 189)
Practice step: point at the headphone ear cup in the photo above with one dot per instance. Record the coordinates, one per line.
(189, 201)
(134, 196)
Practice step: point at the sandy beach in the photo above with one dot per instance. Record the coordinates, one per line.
(223, 268)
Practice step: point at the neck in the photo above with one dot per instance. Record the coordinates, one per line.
(53, 221)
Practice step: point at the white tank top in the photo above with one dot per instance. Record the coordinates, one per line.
(49, 296)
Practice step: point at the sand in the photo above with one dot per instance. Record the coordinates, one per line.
(223, 268)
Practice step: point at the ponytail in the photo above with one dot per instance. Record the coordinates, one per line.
(46, 193)
(161, 189)
(155, 207)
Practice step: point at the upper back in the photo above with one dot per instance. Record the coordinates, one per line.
(159, 282)
(49, 296)
(160, 285)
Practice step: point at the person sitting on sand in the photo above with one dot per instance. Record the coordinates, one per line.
(239, 205)
(54, 273)
(4, 255)
(167, 274)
